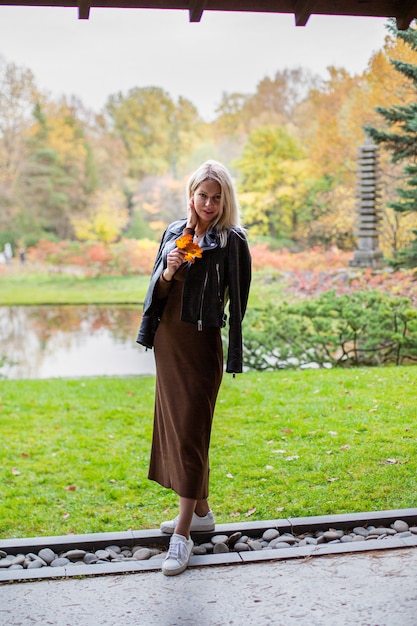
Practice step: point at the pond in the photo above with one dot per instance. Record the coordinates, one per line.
(72, 341)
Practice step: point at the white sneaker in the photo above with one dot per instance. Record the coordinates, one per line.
(198, 523)
(179, 553)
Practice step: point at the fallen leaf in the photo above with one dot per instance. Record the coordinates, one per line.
(345, 447)
(329, 451)
(331, 480)
(235, 514)
(24, 454)
(333, 432)
(278, 451)
(229, 475)
(269, 467)
(15, 472)
(65, 516)
(373, 410)
(291, 458)
(71, 488)
(349, 406)
(286, 430)
(280, 508)
(250, 512)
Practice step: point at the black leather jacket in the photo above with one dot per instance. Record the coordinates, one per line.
(222, 275)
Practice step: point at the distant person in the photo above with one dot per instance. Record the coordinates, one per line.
(186, 301)
(8, 253)
(22, 254)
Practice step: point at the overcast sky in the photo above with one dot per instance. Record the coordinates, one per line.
(116, 50)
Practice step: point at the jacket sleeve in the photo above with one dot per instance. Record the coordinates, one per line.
(239, 279)
(152, 309)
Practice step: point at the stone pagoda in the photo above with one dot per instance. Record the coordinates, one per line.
(368, 215)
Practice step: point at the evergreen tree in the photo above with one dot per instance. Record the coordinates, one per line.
(401, 141)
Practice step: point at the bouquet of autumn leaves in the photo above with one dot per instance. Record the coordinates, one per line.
(192, 250)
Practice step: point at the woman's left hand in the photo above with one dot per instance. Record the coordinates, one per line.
(191, 216)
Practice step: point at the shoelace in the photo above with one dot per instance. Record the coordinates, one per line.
(177, 550)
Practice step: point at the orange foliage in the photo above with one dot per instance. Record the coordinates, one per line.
(193, 250)
(316, 258)
(125, 257)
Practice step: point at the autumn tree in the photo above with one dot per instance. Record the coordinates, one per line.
(58, 174)
(400, 139)
(105, 218)
(18, 95)
(274, 182)
(157, 132)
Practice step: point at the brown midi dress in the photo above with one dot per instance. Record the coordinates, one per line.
(189, 370)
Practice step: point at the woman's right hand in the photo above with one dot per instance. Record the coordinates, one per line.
(175, 259)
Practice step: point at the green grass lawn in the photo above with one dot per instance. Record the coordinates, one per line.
(47, 288)
(28, 287)
(74, 453)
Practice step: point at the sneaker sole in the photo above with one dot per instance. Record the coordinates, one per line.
(174, 572)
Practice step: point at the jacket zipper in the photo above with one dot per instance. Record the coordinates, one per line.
(200, 321)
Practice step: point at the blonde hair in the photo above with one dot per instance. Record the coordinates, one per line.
(229, 214)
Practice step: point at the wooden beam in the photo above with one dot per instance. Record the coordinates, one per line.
(83, 9)
(302, 11)
(406, 14)
(196, 9)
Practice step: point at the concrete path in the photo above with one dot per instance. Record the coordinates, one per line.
(376, 588)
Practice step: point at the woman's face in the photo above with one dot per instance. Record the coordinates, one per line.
(206, 199)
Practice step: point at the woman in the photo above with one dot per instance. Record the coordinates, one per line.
(183, 313)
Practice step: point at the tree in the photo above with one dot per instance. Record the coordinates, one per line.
(58, 174)
(274, 182)
(156, 132)
(18, 95)
(106, 217)
(400, 139)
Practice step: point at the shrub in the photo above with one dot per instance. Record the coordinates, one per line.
(123, 258)
(362, 328)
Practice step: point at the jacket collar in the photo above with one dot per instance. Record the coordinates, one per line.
(208, 242)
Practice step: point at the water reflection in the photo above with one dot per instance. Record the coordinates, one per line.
(71, 341)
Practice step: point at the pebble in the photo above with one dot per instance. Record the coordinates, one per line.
(241, 547)
(219, 539)
(270, 534)
(47, 555)
(60, 562)
(220, 548)
(233, 539)
(255, 545)
(142, 555)
(219, 544)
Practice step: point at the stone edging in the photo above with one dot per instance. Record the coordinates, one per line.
(253, 531)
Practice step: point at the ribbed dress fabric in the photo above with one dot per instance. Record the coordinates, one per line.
(189, 370)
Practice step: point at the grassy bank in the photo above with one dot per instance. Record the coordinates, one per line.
(50, 288)
(27, 287)
(74, 453)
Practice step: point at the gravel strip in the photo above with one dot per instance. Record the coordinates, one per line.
(219, 544)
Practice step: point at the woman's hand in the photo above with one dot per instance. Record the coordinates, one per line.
(191, 215)
(175, 259)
